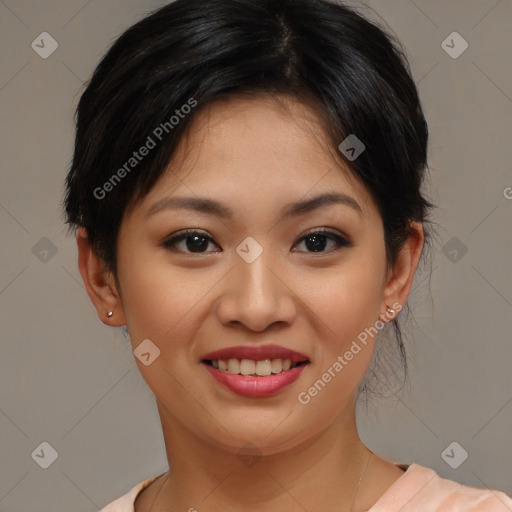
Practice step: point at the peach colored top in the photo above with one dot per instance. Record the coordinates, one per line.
(419, 489)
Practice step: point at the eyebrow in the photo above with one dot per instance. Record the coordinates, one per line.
(212, 207)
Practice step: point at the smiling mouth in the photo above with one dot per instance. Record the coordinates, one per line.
(252, 368)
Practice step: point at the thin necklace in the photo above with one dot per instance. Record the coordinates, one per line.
(158, 492)
(354, 494)
(360, 480)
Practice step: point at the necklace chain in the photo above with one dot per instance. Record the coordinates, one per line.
(363, 474)
(354, 494)
(158, 492)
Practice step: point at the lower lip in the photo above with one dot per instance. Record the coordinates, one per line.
(256, 386)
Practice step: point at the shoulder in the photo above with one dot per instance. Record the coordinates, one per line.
(125, 502)
(421, 488)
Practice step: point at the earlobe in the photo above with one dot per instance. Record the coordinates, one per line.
(99, 283)
(401, 277)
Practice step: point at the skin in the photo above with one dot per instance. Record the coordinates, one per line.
(255, 157)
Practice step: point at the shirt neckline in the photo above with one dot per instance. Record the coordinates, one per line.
(396, 486)
(406, 468)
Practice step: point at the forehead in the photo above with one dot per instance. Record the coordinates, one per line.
(257, 150)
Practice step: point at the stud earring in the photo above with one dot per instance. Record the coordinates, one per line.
(389, 311)
(110, 313)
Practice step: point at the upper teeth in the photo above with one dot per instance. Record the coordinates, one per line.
(250, 367)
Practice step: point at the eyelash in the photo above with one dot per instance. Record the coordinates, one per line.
(183, 235)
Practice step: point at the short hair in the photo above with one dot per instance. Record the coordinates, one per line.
(163, 70)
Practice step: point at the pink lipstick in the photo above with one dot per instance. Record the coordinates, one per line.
(262, 370)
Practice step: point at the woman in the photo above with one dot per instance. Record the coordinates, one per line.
(246, 189)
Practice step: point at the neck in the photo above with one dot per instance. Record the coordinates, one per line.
(322, 471)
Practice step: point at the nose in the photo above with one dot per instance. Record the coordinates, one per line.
(256, 295)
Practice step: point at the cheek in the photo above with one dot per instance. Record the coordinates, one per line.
(351, 300)
(349, 310)
(154, 295)
(165, 303)
(161, 304)
(155, 301)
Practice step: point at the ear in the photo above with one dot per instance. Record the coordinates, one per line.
(99, 283)
(401, 276)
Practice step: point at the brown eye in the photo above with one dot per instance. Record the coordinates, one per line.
(195, 242)
(317, 241)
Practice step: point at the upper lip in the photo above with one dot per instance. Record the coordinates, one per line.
(256, 353)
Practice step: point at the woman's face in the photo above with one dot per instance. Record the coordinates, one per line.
(256, 278)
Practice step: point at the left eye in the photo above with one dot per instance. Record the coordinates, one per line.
(197, 242)
(318, 239)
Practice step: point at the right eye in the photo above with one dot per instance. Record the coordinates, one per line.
(195, 242)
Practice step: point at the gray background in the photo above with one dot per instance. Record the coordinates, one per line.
(67, 379)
